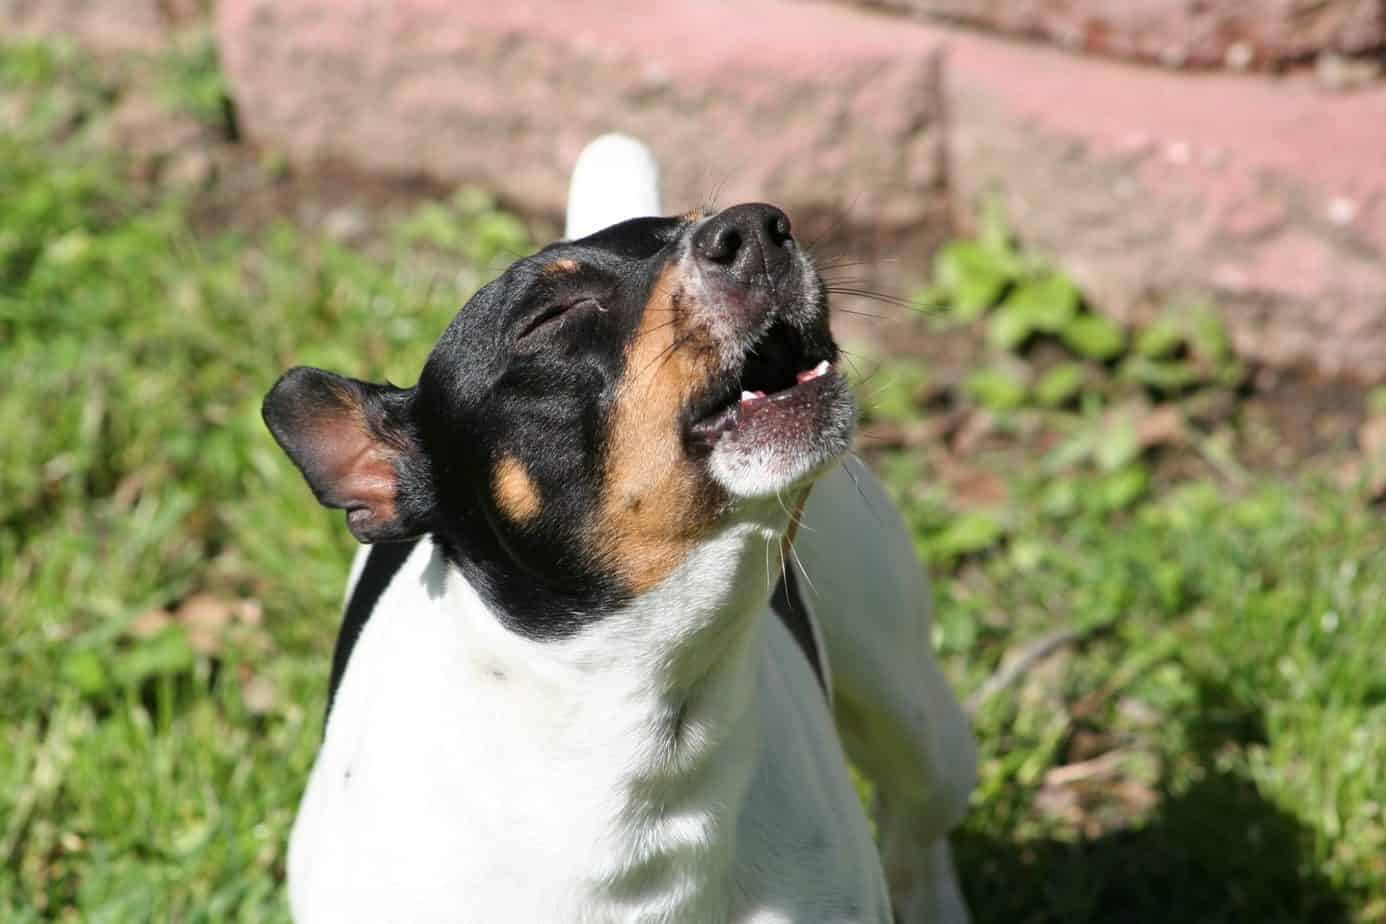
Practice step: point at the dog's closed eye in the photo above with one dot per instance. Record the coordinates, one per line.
(552, 317)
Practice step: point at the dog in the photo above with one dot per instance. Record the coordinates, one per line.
(604, 647)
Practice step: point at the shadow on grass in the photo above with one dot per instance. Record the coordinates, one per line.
(1217, 850)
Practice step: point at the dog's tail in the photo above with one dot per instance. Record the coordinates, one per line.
(616, 178)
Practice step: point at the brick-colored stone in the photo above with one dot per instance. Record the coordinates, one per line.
(1198, 33)
(1266, 198)
(832, 114)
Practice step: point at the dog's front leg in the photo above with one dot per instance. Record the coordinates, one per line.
(898, 717)
(924, 885)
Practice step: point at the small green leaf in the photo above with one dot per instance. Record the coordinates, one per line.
(974, 276)
(1008, 328)
(1060, 498)
(956, 631)
(995, 389)
(1027, 554)
(1048, 303)
(968, 533)
(1208, 338)
(1123, 487)
(891, 394)
(165, 653)
(1163, 375)
(85, 671)
(1073, 451)
(1161, 339)
(192, 837)
(1060, 384)
(900, 472)
(1118, 446)
(1094, 337)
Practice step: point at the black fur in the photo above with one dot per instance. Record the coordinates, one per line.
(496, 386)
(788, 603)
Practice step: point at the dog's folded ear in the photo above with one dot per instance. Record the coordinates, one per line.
(355, 444)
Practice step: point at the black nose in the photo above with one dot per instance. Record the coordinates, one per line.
(752, 242)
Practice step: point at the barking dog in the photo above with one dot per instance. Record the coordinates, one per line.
(602, 658)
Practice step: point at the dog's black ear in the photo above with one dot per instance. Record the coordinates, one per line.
(355, 444)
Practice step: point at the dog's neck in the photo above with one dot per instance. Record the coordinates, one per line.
(652, 714)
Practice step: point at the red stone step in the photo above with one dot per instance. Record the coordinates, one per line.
(1266, 196)
(820, 108)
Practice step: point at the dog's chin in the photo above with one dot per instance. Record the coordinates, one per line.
(770, 445)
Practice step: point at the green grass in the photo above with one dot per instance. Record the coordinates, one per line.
(169, 590)
(1232, 655)
(136, 782)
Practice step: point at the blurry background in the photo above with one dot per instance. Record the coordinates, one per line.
(1112, 279)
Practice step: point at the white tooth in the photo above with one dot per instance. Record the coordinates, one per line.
(820, 368)
(748, 396)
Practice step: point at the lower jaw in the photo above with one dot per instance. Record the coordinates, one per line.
(788, 440)
(771, 468)
(748, 480)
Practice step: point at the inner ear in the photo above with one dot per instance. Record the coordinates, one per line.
(355, 445)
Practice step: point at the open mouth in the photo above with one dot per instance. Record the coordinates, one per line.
(781, 374)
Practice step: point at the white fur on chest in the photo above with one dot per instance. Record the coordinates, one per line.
(675, 762)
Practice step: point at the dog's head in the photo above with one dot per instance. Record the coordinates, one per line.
(593, 414)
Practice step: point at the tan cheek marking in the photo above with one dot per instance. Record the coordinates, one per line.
(516, 494)
(657, 503)
(560, 267)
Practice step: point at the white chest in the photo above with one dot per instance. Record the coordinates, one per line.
(464, 779)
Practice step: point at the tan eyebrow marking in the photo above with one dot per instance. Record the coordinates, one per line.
(560, 267)
(516, 494)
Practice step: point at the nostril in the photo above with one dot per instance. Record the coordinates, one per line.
(724, 245)
(744, 239)
(777, 229)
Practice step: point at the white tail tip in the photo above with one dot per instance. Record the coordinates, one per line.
(616, 178)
